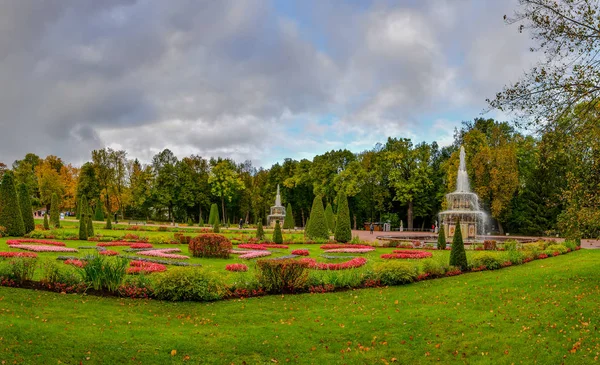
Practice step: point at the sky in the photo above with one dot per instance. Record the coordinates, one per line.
(255, 80)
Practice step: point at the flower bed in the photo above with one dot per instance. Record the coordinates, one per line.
(333, 246)
(407, 254)
(165, 253)
(236, 267)
(37, 248)
(42, 242)
(108, 253)
(75, 262)
(350, 250)
(144, 267)
(352, 264)
(140, 245)
(300, 252)
(254, 254)
(125, 244)
(262, 246)
(18, 254)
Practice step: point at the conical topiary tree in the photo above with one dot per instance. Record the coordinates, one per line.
(317, 229)
(54, 212)
(217, 226)
(288, 222)
(441, 241)
(277, 236)
(343, 230)
(46, 223)
(201, 223)
(329, 217)
(458, 256)
(10, 211)
(98, 213)
(108, 223)
(260, 232)
(214, 214)
(90, 226)
(77, 210)
(26, 211)
(83, 233)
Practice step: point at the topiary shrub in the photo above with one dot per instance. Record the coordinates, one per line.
(10, 212)
(46, 223)
(98, 213)
(489, 260)
(201, 223)
(54, 211)
(329, 217)
(217, 226)
(458, 256)
(26, 211)
(282, 276)
(260, 232)
(196, 284)
(395, 272)
(277, 236)
(210, 245)
(288, 222)
(214, 214)
(89, 224)
(318, 226)
(83, 232)
(108, 223)
(441, 241)
(343, 230)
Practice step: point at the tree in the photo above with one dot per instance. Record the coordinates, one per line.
(277, 236)
(317, 230)
(55, 212)
(288, 222)
(441, 241)
(225, 182)
(87, 184)
(568, 34)
(166, 185)
(108, 223)
(46, 223)
(329, 217)
(26, 211)
(83, 232)
(49, 179)
(217, 226)
(98, 214)
(260, 233)
(458, 256)
(10, 211)
(214, 214)
(89, 224)
(343, 230)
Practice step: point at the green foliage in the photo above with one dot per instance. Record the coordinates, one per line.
(10, 212)
(104, 273)
(282, 276)
(277, 236)
(329, 217)
(53, 272)
(217, 226)
(108, 223)
(441, 241)
(98, 213)
(214, 214)
(348, 279)
(90, 226)
(288, 222)
(510, 245)
(83, 231)
(557, 248)
(195, 284)
(210, 245)
(514, 256)
(343, 230)
(26, 211)
(489, 260)
(318, 225)
(458, 256)
(570, 244)
(20, 269)
(46, 223)
(433, 267)
(201, 223)
(395, 272)
(260, 232)
(55, 212)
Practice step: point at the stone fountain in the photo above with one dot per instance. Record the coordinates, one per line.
(463, 205)
(277, 211)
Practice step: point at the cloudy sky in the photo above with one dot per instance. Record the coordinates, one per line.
(247, 79)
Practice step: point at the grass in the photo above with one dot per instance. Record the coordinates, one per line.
(542, 312)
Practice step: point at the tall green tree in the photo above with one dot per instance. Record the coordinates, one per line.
(288, 222)
(225, 182)
(98, 213)
(277, 236)
(87, 184)
(458, 256)
(317, 230)
(55, 212)
(166, 185)
(83, 231)
(260, 232)
(329, 217)
(26, 210)
(214, 214)
(343, 231)
(441, 241)
(10, 211)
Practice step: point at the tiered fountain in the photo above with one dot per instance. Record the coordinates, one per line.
(277, 211)
(463, 206)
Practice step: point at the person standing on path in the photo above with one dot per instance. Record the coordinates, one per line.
(241, 223)
(371, 227)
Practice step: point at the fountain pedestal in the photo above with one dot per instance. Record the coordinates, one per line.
(277, 211)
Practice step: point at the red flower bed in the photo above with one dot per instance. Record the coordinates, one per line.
(43, 242)
(454, 272)
(18, 254)
(422, 276)
(527, 259)
(300, 252)
(236, 267)
(140, 245)
(506, 264)
(144, 267)
(335, 245)
(352, 264)
(480, 268)
(542, 256)
(321, 288)
(407, 254)
(77, 263)
(113, 244)
(555, 253)
(108, 253)
(261, 246)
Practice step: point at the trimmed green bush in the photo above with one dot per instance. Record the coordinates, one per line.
(560, 248)
(317, 230)
(260, 232)
(26, 211)
(201, 223)
(184, 283)
(10, 211)
(288, 222)
(217, 226)
(277, 236)
(83, 231)
(282, 276)
(46, 223)
(90, 226)
(343, 230)
(98, 213)
(433, 267)
(21, 269)
(441, 241)
(210, 245)
(458, 256)
(214, 214)
(489, 260)
(54, 212)
(329, 217)
(395, 272)
(108, 223)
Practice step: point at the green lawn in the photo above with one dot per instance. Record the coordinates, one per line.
(546, 311)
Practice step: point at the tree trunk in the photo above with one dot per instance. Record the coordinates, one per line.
(302, 211)
(199, 213)
(355, 222)
(500, 228)
(410, 215)
(223, 209)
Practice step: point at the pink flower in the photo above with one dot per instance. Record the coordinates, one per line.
(43, 242)
(164, 253)
(254, 254)
(108, 253)
(37, 248)
(407, 254)
(351, 250)
(144, 267)
(262, 246)
(77, 263)
(300, 252)
(236, 267)
(334, 246)
(354, 263)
